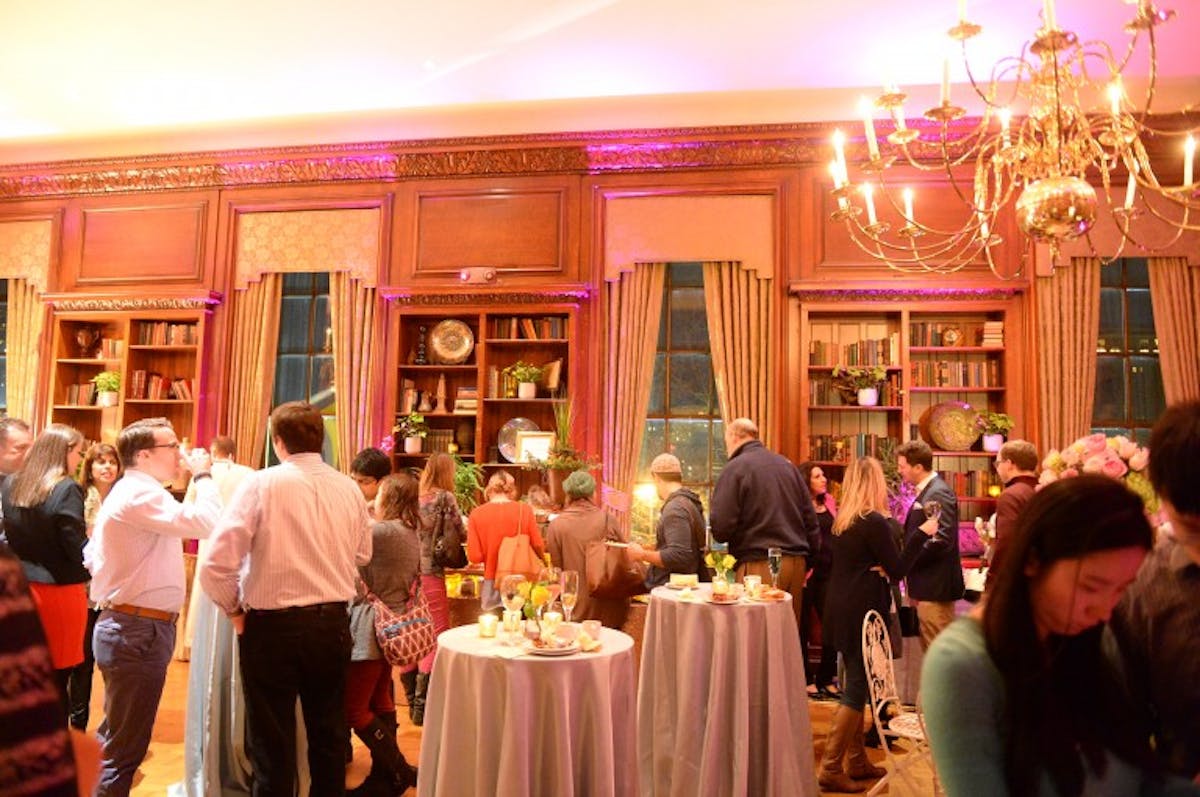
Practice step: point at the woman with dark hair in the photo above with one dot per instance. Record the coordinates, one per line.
(101, 469)
(438, 507)
(43, 517)
(1019, 697)
(864, 557)
(820, 561)
(395, 563)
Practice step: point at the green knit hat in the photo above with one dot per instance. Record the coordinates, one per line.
(579, 484)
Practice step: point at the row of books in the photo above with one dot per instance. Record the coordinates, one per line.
(881, 351)
(821, 392)
(438, 440)
(955, 373)
(844, 448)
(992, 334)
(971, 483)
(541, 328)
(153, 386)
(929, 333)
(111, 348)
(81, 395)
(166, 333)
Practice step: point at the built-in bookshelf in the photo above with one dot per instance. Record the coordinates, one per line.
(156, 355)
(468, 400)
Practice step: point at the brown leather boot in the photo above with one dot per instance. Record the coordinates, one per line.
(841, 730)
(858, 766)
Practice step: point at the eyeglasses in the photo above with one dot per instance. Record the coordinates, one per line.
(166, 445)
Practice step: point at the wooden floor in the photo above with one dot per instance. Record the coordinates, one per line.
(164, 764)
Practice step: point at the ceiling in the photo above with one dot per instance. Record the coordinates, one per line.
(82, 79)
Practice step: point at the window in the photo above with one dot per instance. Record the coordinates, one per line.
(1129, 386)
(683, 416)
(3, 345)
(304, 360)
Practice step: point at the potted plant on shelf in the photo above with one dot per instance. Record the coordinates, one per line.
(108, 385)
(859, 385)
(526, 376)
(994, 425)
(564, 458)
(412, 428)
(468, 482)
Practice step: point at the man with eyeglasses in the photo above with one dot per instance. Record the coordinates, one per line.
(136, 562)
(1016, 465)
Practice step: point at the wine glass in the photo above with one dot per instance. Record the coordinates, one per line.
(933, 509)
(513, 599)
(547, 579)
(570, 592)
(775, 565)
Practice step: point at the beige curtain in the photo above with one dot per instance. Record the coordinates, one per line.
(26, 321)
(634, 309)
(1068, 324)
(741, 314)
(354, 317)
(1175, 296)
(255, 339)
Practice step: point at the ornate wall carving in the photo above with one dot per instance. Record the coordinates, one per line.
(135, 304)
(308, 240)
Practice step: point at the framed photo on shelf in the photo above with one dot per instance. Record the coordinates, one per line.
(533, 445)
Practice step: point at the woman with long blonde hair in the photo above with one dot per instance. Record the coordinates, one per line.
(43, 517)
(864, 547)
(438, 508)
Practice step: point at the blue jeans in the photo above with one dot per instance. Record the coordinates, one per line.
(132, 654)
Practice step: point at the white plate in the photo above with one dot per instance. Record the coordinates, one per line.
(567, 651)
(733, 602)
(507, 438)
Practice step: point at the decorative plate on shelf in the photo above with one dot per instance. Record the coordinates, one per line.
(451, 342)
(507, 439)
(952, 336)
(950, 426)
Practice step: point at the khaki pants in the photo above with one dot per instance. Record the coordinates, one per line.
(933, 617)
(791, 579)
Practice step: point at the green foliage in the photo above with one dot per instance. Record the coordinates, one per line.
(856, 378)
(411, 425)
(993, 422)
(107, 381)
(468, 483)
(524, 372)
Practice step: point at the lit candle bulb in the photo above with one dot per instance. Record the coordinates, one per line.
(868, 195)
(946, 80)
(839, 152)
(962, 11)
(867, 109)
(1048, 14)
(984, 232)
(908, 206)
(1131, 186)
(1005, 118)
(1189, 155)
(837, 183)
(1114, 97)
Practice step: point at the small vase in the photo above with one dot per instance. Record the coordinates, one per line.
(868, 396)
(527, 390)
(412, 445)
(106, 398)
(993, 442)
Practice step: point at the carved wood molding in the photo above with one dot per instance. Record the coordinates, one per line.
(132, 303)
(493, 297)
(903, 294)
(574, 153)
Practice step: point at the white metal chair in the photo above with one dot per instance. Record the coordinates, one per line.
(894, 722)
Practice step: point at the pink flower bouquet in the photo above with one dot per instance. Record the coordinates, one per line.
(1116, 457)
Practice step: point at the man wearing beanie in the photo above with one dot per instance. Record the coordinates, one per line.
(679, 534)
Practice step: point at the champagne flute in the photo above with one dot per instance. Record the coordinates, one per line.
(775, 565)
(570, 592)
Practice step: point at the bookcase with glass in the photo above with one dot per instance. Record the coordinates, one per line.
(111, 369)
(462, 371)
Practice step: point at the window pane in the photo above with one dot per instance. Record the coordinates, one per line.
(687, 274)
(293, 324)
(291, 378)
(657, 404)
(1137, 272)
(1112, 275)
(321, 386)
(1112, 320)
(1141, 322)
(654, 441)
(297, 283)
(689, 330)
(691, 384)
(1110, 388)
(689, 440)
(718, 447)
(322, 335)
(1147, 399)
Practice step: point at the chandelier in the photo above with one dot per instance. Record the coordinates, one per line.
(1076, 131)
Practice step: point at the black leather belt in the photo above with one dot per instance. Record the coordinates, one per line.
(315, 608)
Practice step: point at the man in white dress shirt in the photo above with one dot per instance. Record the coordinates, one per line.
(136, 561)
(301, 530)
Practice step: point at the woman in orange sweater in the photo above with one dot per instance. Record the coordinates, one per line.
(489, 523)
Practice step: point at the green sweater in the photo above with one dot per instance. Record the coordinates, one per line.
(962, 696)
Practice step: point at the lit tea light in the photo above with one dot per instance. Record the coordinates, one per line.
(487, 625)
(551, 621)
(995, 490)
(512, 621)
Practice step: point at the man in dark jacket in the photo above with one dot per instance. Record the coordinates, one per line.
(1016, 465)
(679, 535)
(761, 502)
(935, 580)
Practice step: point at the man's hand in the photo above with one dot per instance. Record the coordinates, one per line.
(930, 526)
(198, 461)
(635, 551)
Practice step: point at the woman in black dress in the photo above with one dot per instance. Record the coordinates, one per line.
(864, 548)
(821, 679)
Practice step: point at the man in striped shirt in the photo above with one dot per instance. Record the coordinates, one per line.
(282, 565)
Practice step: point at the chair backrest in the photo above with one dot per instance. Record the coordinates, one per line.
(877, 660)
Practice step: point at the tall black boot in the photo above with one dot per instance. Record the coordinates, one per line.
(409, 681)
(391, 774)
(416, 709)
(388, 721)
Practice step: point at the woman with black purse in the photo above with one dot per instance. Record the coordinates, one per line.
(442, 535)
(864, 550)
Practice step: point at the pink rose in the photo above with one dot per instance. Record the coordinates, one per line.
(1126, 448)
(1094, 464)
(1139, 460)
(1047, 476)
(1069, 473)
(1094, 443)
(1072, 456)
(1114, 468)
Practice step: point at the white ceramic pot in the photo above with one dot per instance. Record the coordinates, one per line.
(868, 396)
(107, 398)
(527, 390)
(992, 442)
(412, 445)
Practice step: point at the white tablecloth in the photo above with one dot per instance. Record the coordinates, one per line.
(722, 708)
(530, 725)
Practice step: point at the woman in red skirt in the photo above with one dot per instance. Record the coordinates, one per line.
(43, 518)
